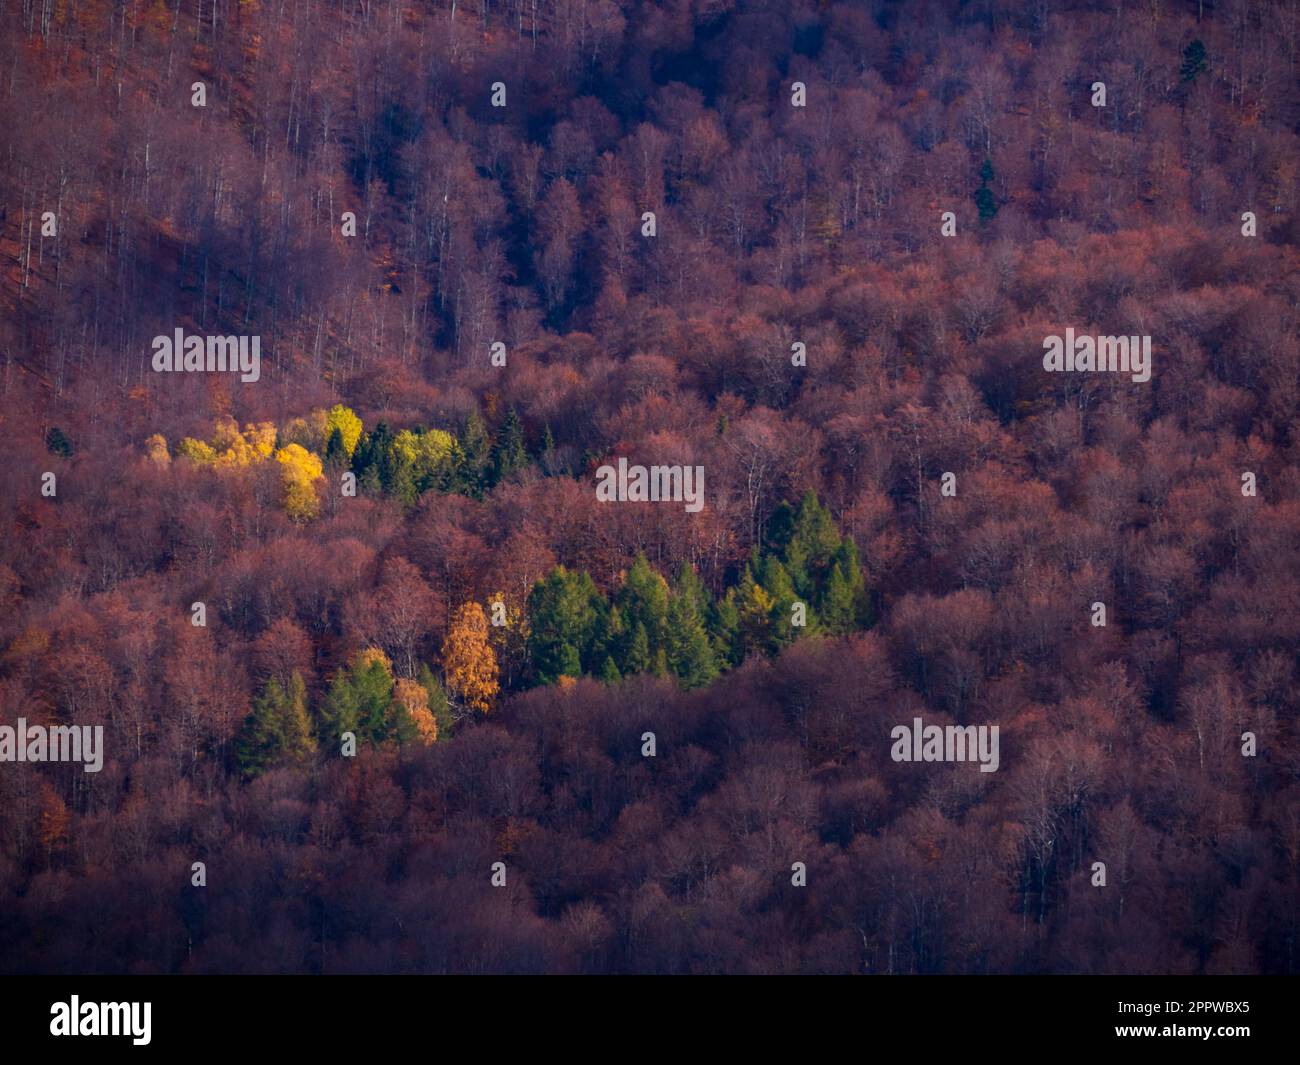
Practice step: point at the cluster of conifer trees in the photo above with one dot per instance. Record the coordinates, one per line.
(364, 699)
(807, 580)
(409, 463)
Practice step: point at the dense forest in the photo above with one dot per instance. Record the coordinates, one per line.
(364, 641)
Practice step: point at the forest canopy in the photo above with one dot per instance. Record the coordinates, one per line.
(813, 249)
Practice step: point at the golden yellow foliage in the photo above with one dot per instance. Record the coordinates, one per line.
(156, 446)
(468, 661)
(345, 420)
(412, 697)
(261, 437)
(370, 655)
(238, 452)
(429, 447)
(196, 451)
(225, 431)
(228, 447)
(232, 449)
(509, 641)
(301, 470)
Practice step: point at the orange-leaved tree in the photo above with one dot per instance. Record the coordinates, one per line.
(469, 664)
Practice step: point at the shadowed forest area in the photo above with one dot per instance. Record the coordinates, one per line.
(813, 248)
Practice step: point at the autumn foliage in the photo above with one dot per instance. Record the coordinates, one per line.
(429, 647)
(468, 661)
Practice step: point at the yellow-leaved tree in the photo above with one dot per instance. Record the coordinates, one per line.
(156, 448)
(301, 471)
(225, 433)
(196, 451)
(368, 656)
(508, 632)
(228, 447)
(238, 452)
(345, 420)
(469, 665)
(261, 437)
(428, 452)
(301, 467)
(414, 699)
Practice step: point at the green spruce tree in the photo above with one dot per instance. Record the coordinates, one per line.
(567, 614)
(1194, 61)
(639, 657)
(643, 601)
(359, 701)
(277, 730)
(688, 650)
(609, 673)
(336, 452)
(724, 630)
(984, 201)
(57, 442)
(370, 459)
(509, 453)
(471, 473)
(843, 605)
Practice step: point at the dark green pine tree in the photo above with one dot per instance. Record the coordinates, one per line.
(57, 443)
(336, 454)
(374, 687)
(402, 484)
(340, 712)
(570, 662)
(844, 605)
(812, 544)
(370, 461)
(277, 730)
(358, 701)
(780, 527)
(799, 566)
(509, 453)
(984, 201)
(609, 673)
(470, 476)
(724, 630)
(687, 648)
(546, 458)
(643, 600)
(448, 479)
(399, 725)
(773, 578)
(612, 635)
(690, 586)
(567, 613)
(1194, 61)
(638, 658)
